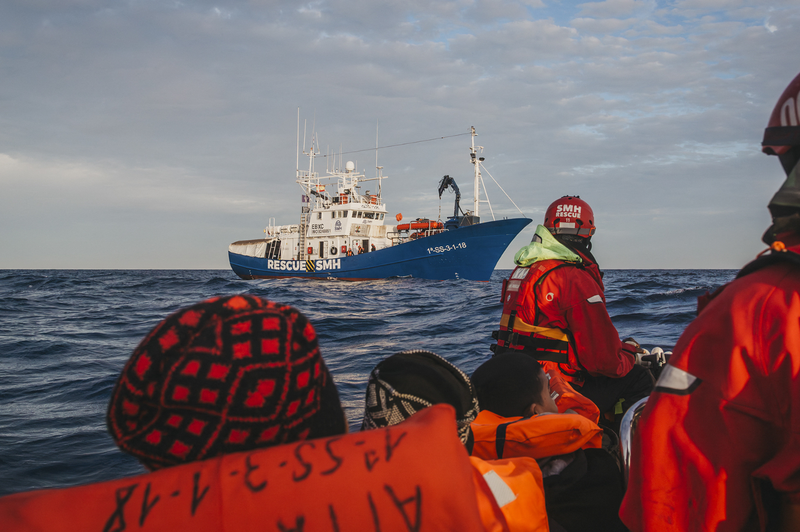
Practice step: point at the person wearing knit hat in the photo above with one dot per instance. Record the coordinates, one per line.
(410, 381)
(226, 375)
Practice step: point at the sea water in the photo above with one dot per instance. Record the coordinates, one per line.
(66, 334)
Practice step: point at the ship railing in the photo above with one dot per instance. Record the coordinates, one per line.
(425, 232)
(396, 237)
(399, 237)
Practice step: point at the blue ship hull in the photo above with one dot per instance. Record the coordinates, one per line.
(469, 252)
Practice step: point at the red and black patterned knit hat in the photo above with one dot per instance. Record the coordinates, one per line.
(226, 375)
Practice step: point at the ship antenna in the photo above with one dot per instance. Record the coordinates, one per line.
(377, 168)
(305, 127)
(377, 124)
(297, 176)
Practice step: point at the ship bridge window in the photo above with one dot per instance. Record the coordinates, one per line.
(344, 213)
(369, 215)
(382, 215)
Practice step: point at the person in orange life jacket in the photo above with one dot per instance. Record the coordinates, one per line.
(582, 482)
(554, 310)
(226, 375)
(407, 382)
(718, 443)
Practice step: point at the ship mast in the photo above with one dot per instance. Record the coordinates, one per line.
(476, 162)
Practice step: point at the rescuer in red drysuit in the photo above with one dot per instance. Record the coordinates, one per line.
(554, 310)
(718, 444)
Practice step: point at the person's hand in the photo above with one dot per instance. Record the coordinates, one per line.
(639, 351)
(631, 341)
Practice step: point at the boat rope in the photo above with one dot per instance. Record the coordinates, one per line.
(501, 188)
(485, 193)
(392, 145)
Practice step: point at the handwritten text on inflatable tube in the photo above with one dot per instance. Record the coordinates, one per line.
(136, 502)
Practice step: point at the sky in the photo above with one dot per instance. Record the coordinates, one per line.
(152, 134)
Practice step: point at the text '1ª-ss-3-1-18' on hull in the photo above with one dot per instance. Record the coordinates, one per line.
(342, 235)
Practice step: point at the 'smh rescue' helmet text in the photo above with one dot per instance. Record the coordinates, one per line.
(570, 215)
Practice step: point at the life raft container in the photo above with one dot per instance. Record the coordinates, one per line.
(537, 437)
(420, 224)
(414, 476)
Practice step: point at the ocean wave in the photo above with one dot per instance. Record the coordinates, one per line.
(65, 336)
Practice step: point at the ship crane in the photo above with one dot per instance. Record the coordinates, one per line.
(443, 184)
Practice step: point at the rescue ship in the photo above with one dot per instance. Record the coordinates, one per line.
(343, 234)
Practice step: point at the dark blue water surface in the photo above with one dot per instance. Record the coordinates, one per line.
(66, 334)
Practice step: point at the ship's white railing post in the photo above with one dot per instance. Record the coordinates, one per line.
(271, 229)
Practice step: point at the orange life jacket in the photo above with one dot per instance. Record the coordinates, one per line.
(517, 487)
(537, 437)
(407, 477)
(567, 398)
(515, 335)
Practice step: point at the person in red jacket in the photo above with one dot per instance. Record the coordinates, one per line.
(718, 443)
(554, 310)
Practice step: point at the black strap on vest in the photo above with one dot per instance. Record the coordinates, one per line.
(500, 437)
(512, 336)
(766, 260)
(542, 349)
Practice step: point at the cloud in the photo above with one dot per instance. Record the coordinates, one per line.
(615, 8)
(186, 113)
(606, 25)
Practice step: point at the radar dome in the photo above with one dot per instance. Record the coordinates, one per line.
(350, 166)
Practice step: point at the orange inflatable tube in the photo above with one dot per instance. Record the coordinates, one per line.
(411, 477)
(536, 437)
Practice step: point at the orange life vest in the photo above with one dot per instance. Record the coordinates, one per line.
(542, 343)
(567, 398)
(517, 487)
(537, 437)
(407, 477)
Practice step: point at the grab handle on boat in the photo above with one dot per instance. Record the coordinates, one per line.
(628, 426)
